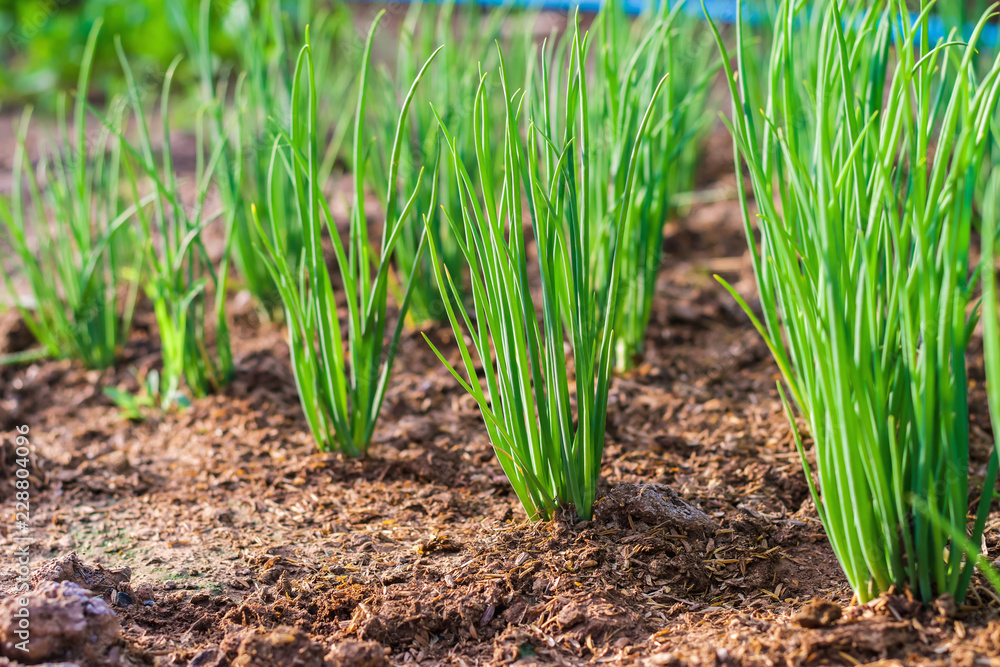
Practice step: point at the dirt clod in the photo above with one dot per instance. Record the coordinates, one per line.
(116, 462)
(144, 594)
(571, 615)
(945, 606)
(66, 623)
(15, 336)
(817, 614)
(282, 647)
(95, 579)
(871, 639)
(357, 654)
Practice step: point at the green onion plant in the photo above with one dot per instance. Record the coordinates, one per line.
(187, 290)
(341, 391)
(71, 281)
(991, 357)
(863, 178)
(549, 454)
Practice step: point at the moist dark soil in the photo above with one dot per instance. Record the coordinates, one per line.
(218, 535)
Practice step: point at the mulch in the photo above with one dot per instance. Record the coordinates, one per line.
(705, 548)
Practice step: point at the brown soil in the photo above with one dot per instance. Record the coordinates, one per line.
(245, 546)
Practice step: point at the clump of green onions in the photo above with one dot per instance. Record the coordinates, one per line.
(341, 395)
(186, 289)
(863, 177)
(548, 455)
(72, 242)
(631, 59)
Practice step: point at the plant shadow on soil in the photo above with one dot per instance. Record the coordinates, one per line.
(246, 546)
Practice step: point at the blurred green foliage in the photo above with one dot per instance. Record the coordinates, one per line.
(962, 14)
(43, 40)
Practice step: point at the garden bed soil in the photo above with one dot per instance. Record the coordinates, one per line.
(218, 535)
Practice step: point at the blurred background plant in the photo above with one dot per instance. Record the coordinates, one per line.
(44, 41)
(65, 225)
(186, 286)
(259, 79)
(962, 14)
(471, 37)
(631, 58)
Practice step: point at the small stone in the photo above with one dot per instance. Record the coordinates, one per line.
(654, 505)
(120, 598)
(209, 657)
